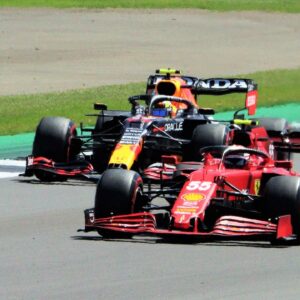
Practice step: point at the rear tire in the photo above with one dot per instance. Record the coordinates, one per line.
(282, 196)
(118, 193)
(273, 125)
(53, 141)
(207, 135)
(274, 128)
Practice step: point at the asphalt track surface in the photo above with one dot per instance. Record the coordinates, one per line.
(41, 254)
(43, 257)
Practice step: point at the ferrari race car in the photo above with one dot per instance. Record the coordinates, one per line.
(235, 192)
(169, 123)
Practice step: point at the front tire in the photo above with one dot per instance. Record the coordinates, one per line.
(282, 196)
(118, 193)
(53, 141)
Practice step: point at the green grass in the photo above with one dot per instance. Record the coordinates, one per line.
(22, 113)
(291, 6)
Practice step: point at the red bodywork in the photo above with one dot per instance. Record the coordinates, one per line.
(206, 183)
(212, 183)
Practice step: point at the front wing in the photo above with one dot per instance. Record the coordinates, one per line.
(72, 169)
(225, 227)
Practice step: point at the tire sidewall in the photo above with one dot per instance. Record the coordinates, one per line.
(116, 192)
(282, 196)
(53, 139)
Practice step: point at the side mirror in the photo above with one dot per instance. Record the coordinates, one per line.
(206, 111)
(100, 106)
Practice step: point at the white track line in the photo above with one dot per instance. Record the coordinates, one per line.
(9, 174)
(10, 162)
(11, 168)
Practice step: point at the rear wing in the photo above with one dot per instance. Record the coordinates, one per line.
(222, 86)
(163, 74)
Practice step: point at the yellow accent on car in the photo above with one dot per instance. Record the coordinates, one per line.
(124, 155)
(256, 186)
(193, 197)
(245, 122)
(168, 71)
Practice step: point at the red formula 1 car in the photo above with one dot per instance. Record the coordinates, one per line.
(235, 192)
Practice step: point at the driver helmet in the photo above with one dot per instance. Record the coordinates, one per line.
(172, 109)
(165, 109)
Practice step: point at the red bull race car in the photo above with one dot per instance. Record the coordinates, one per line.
(234, 192)
(165, 121)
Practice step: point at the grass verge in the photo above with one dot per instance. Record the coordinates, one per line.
(292, 6)
(22, 113)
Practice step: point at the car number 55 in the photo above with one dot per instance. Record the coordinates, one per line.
(199, 185)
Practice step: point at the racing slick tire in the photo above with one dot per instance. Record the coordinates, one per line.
(207, 135)
(274, 128)
(53, 141)
(118, 193)
(282, 197)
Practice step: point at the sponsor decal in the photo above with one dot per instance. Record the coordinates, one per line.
(271, 150)
(173, 126)
(190, 204)
(131, 136)
(140, 110)
(222, 84)
(251, 100)
(92, 217)
(256, 186)
(193, 197)
(30, 161)
(187, 210)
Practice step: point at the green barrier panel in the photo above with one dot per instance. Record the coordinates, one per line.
(20, 145)
(14, 146)
(291, 112)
